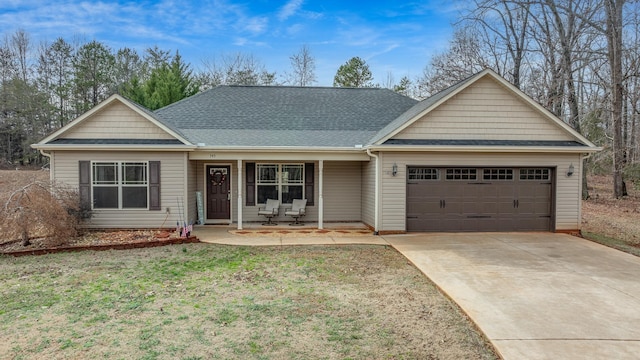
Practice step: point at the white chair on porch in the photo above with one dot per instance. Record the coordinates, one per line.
(270, 209)
(298, 210)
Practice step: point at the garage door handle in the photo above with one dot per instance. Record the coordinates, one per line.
(443, 204)
(478, 216)
(412, 217)
(516, 204)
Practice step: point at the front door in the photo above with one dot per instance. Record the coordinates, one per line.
(218, 192)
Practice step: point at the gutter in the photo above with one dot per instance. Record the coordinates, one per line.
(487, 149)
(50, 164)
(50, 147)
(376, 201)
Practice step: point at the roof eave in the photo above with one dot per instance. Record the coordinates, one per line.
(102, 147)
(281, 148)
(487, 149)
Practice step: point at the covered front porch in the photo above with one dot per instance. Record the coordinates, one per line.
(230, 191)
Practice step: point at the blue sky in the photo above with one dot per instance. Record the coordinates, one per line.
(392, 36)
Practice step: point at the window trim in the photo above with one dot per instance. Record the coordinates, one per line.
(280, 181)
(120, 183)
(461, 174)
(530, 174)
(423, 173)
(498, 174)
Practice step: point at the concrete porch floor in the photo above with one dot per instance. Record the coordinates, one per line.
(257, 234)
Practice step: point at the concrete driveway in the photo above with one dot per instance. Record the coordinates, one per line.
(537, 295)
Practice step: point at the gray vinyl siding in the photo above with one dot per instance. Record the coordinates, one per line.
(117, 121)
(485, 110)
(567, 189)
(342, 195)
(367, 192)
(171, 187)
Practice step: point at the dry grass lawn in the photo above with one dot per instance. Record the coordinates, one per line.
(203, 301)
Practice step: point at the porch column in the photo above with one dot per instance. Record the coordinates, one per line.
(320, 191)
(240, 194)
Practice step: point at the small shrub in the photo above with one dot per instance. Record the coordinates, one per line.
(41, 209)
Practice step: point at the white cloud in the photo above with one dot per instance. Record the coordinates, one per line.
(295, 29)
(289, 9)
(254, 25)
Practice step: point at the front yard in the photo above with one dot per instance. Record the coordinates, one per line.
(202, 301)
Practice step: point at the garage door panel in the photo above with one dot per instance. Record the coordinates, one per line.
(424, 208)
(503, 203)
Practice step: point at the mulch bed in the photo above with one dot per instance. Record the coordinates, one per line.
(305, 232)
(97, 241)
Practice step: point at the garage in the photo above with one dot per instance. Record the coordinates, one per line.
(456, 199)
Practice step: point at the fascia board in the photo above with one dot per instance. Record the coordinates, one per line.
(107, 147)
(486, 149)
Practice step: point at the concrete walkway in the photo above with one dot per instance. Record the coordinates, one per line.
(537, 295)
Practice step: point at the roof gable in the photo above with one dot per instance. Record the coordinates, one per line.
(115, 118)
(483, 107)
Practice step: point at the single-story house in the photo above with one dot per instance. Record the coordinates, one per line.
(478, 156)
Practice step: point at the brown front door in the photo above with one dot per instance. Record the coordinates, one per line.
(218, 192)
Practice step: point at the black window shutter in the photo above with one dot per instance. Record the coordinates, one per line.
(84, 183)
(250, 193)
(154, 185)
(309, 182)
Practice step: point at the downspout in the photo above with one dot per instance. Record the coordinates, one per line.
(376, 200)
(50, 163)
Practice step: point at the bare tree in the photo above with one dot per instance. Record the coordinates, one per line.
(563, 33)
(503, 27)
(21, 46)
(613, 33)
(303, 66)
(463, 58)
(236, 69)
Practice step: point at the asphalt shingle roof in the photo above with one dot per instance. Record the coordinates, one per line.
(284, 116)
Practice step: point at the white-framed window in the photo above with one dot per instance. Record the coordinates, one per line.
(424, 173)
(461, 174)
(497, 174)
(535, 174)
(120, 185)
(283, 182)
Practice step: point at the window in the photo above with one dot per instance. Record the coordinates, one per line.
(420, 173)
(283, 182)
(461, 174)
(120, 185)
(535, 174)
(497, 174)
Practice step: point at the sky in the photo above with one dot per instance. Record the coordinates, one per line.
(393, 37)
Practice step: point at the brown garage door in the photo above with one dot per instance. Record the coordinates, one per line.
(479, 199)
